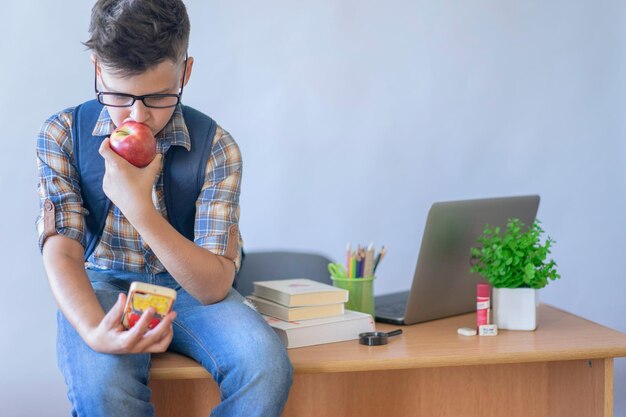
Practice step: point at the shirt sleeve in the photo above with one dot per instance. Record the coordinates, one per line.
(58, 179)
(217, 207)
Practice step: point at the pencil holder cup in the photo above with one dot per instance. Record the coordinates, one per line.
(361, 293)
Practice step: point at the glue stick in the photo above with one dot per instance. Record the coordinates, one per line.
(483, 303)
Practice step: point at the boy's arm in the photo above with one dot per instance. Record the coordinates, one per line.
(203, 274)
(63, 262)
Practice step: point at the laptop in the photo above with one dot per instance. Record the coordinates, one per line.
(442, 283)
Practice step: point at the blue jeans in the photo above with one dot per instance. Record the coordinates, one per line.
(229, 339)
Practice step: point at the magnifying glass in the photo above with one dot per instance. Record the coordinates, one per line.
(377, 338)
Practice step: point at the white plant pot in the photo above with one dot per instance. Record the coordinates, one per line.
(515, 308)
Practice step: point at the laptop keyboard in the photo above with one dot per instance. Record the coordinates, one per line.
(390, 310)
(391, 305)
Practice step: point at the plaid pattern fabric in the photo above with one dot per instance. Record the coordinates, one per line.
(121, 247)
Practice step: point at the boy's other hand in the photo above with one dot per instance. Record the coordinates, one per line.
(111, 337)
(128, 187)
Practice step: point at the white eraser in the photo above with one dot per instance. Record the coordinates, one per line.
(466, 331)
(488, 330)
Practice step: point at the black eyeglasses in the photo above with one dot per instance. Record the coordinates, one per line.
(155, 101)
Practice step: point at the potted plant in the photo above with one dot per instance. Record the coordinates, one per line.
(514, 261)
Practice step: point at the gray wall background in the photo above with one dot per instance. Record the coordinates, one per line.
(353, 117)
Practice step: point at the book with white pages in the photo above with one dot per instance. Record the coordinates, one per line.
(302, 333)
(299, 292)
(279, 311)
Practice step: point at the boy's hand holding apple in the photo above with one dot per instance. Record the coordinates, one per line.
(129, 187)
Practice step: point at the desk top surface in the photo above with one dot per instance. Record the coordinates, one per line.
(559, 336)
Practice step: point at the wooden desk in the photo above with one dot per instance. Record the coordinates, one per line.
(564, 368)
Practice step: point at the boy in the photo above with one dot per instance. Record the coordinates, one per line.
(141, 67)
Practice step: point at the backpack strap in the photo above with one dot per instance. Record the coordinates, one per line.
(183, 171)
(90, 167)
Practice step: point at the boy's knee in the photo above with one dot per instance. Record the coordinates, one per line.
(285, 370)
(278, 362)
(271, 363)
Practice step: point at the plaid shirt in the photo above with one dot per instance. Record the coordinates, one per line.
(121, 247)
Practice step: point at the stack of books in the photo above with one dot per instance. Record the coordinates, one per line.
(305, 312)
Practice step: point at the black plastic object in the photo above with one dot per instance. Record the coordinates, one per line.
(377, 338)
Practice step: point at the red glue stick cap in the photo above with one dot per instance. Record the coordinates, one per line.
(483, 290)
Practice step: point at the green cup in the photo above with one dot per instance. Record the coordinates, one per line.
(361, 293)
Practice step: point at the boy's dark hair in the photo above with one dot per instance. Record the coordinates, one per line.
(131, 36)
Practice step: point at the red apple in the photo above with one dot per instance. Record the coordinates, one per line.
(134, 142)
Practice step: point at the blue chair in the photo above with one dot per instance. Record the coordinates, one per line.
(263, 266)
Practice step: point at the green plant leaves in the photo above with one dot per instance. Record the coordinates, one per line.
(514, 257)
